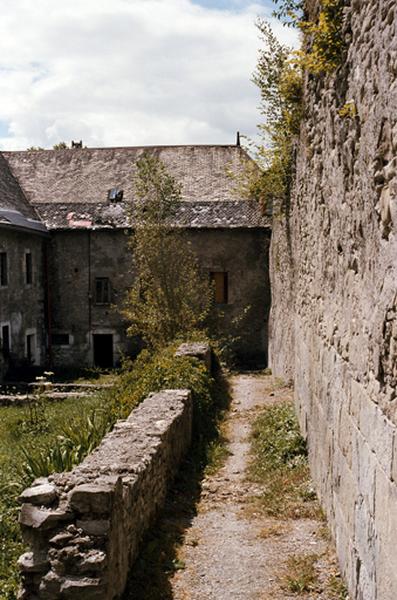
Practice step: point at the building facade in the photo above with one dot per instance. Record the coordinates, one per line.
(66, 273)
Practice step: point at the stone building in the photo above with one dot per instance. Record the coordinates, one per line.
(68, 261)
(23, 243)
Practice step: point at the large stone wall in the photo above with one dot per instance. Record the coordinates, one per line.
(334, 312)
(84, 527)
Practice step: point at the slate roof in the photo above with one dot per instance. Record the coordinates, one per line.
(194, 214)
(15, 210)
(68, 188)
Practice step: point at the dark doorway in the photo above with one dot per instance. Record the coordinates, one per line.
(103, 350)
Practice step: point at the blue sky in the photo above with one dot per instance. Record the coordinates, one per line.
(129, 72)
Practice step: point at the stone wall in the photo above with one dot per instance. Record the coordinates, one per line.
(84, 527)
(334, 312)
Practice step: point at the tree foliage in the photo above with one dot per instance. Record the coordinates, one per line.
(280, 84)
(169, 299)
(279, 76)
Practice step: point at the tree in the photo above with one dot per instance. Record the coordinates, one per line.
(170, 298)
(60, 146)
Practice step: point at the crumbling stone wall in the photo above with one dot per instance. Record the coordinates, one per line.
(84, 527)
(334, 307)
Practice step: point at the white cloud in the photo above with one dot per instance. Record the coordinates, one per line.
(126, 72)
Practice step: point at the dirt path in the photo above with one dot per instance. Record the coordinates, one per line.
(230, 552)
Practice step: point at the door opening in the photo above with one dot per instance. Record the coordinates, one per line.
(103, 350)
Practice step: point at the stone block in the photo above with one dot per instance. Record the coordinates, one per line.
(94, 527)
(201, 351)
(41, 518)
(82, 588)
(40, 495)
(31, 563)
(91, 498)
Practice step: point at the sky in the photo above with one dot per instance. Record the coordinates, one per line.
(129, 72)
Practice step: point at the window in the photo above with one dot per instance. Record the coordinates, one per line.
(28, 268)
(3, 269)
(31, 347)
(219, 280)
(115, 195)
(102, 290)
(60, 339)
(5, 339)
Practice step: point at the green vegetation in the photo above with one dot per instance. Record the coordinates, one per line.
(280, 84)
(279, 76)
(279, 463)
(323, 45)
(300, 574)
(169, 299)
(51, 436)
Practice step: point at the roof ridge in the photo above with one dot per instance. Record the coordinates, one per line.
(140, 147)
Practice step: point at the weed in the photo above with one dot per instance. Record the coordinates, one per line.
(273, 530)
(336, 588)
(279, 463)
(348, 110)
(300, 574)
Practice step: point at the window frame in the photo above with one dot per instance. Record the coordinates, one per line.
(28, 268)
(103, 296)
(3, 325)
(4, 279)
(220, 287)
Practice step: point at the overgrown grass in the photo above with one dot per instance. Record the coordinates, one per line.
(279, 463)
(55, 436)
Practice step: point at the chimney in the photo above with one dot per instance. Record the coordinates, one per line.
(77, 144)
(238, 139)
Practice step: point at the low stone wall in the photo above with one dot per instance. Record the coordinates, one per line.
(84, 527)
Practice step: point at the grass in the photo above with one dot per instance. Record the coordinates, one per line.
(300, 574)
(279, 463)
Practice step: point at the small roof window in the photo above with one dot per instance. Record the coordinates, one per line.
(115, 194)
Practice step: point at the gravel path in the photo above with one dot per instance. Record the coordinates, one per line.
(227, 552)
